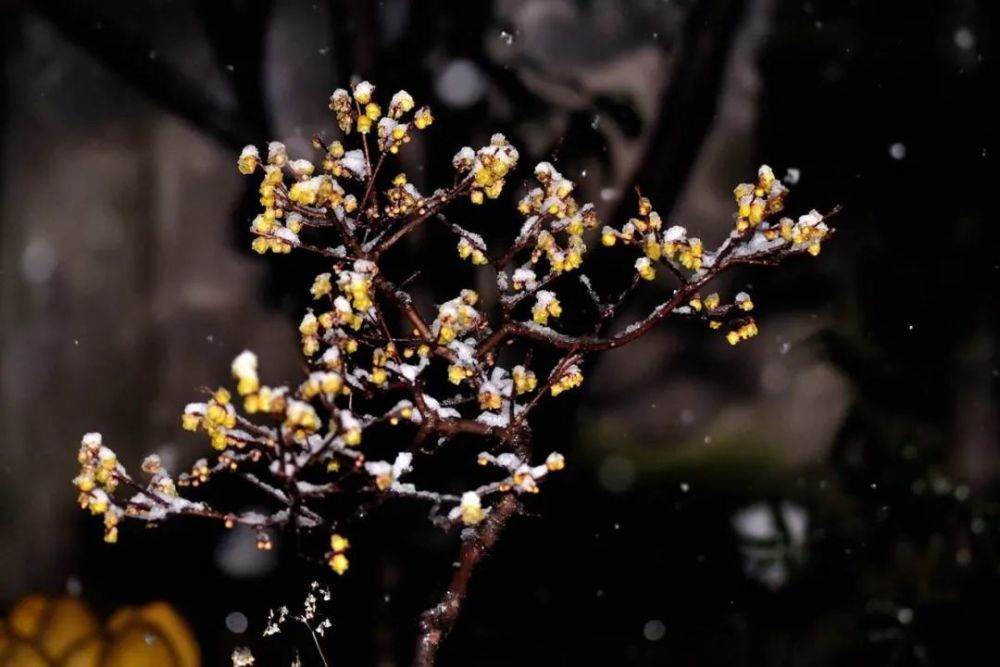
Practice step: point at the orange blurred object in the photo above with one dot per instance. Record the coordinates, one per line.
(63, 632)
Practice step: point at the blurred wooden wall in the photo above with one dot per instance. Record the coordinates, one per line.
(121, 290)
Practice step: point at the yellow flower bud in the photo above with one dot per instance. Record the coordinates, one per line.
(259, 245)
(339, 543)
(363, 93)
(471, 508)
(249, 159)
(645, 268)
(309, 326)
(422, 118)
(339, 563)
(190, 422)
(85, 482)
(456, 374)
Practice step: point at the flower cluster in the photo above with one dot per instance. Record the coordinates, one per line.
(487, 168)
(97, 481)
(670, 246)
(312, 618)
(375, 354)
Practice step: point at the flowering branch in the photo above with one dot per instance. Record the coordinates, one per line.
(380, 363)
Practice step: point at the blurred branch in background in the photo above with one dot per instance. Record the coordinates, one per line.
(129, 56)
(689, 102)
(237, 32)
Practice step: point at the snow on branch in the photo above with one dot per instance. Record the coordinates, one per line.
(378, 362)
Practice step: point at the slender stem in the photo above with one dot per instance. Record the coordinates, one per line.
(430, 208)
(319, 649)
(345, 234)
(554, 377)
(370, 187)
(558, 340)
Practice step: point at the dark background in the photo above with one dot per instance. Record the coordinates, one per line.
(825, 494)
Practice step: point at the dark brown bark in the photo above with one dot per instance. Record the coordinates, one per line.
(438, 621)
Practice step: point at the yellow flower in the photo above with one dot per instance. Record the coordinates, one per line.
(110, 527)
(651, 246)
(301, 415)
(471, 508)
(335, 150)
(447, 334)
(310, 345)
(309, 326)
(331, 383)
(690, 257)
(645, 206)
(339, 543)
(489, 400)
(422, 118)
(401, 103)
(352, 437)
(260, 245)
(190, 421)
(456, 374)
(339, 563)
(222, 396)
(572, 378)
(263, 224)
(98, 503)
(363, 93)
(524, 380)
(464, 248)
(249, 159)
(744, 302)
(765, 177)
(85, 482)
(546, 304)
(747, 330)
(645, 268)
